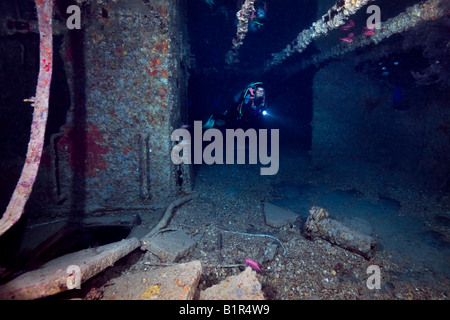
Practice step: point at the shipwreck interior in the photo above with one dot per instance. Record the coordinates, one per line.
(363, 116)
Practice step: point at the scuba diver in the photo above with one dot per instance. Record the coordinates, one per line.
(254, 24)
(250, 105)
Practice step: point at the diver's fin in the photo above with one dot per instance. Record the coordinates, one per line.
(209, 124)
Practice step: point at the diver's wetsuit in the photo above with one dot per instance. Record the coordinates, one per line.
(249, 107)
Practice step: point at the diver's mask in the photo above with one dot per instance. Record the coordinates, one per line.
(259, 92)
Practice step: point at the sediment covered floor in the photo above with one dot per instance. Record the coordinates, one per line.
(409, 225)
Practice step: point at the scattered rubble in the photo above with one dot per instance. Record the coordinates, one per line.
(278, 217)
(169, 246)
(177, 282)
(244, 286)
(226, 231)
(270, 252)
(320, 225)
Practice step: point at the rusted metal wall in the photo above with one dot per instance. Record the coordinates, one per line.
(128, 82)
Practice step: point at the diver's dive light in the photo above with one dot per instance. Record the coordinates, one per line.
(264, 113)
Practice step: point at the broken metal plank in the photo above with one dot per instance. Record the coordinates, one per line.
(166, 217)
(169, 246)
(278, 217)
(65, 272)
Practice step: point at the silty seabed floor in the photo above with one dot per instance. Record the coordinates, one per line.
(412, 229)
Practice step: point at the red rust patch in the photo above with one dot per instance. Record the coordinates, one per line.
(161, 47)
(86, 149)
(152, 70)
(127, 150)
(162, 10)
(162, 91)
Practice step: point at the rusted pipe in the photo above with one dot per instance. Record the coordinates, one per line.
(319, 225)
(40, 113)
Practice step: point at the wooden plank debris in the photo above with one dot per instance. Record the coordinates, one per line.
(66, 272)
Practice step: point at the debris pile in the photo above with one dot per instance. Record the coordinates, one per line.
(319, 225)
